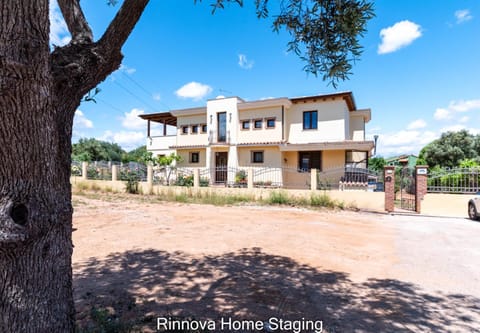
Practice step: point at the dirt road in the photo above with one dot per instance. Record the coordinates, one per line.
(355, 272)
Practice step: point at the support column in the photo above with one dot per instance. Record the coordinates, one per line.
(196, 178)
(421, 175)
(84, 170)
(313, 179)
(389, 186)
(149, 179)
(114, 173)
(232, 164)
(250, 178)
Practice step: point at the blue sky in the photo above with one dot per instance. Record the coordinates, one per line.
(419, 73)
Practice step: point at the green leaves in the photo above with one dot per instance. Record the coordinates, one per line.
(325, 33)
(451, 149)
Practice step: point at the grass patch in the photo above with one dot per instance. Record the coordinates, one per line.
(214, 197)
(279, 198)
(322, 200)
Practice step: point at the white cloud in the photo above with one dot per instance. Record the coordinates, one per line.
(404, 142)
(464, 106)
(128, 140)
(464, 119)
(459, 127)
(244, 63)
(194, 90)
(156, 96)
(455, 107)
(59, 34)
(417, 124)
(463, 15)
(397, 36)
(442, 114)
(131, 120)
(80, 121)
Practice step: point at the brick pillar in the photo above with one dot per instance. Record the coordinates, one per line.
(421, 185)
(389, 186)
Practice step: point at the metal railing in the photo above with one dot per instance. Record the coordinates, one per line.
(456, 180)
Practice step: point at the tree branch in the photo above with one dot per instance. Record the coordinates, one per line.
(76, 22)
(122, 25)
(79, 67)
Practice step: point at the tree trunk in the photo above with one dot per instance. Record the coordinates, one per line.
(35, 198)
(39, 93)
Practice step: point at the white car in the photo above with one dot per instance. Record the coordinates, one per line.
(474, 208)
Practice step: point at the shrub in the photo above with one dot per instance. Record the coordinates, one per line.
(183, 180)
(204, 182)
(132, 179)
(278, 197)
(322, 200)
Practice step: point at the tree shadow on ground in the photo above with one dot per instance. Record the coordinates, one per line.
(139, 286)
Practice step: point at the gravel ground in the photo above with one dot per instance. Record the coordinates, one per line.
(357, 272)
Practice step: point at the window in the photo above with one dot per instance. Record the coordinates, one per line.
(184, 129)
(194, 157)
(257, 123)
(310, 120)
(204, 128)
(222, 127)
(257, 156)
(194, 129)
(356, 159)
(245, 124)
(271, 123)
(308, 160)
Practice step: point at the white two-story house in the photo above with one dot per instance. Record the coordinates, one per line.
(297, 134)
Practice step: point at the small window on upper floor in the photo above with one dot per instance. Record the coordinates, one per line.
(245, 124)
(194, 129)
(270, 122)
(257, 124)
(184, 129)
(310, 120)
(204, 128)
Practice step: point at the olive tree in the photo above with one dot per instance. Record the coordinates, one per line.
(40, 89)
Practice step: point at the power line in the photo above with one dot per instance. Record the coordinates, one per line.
(108, 104)
(135, 96)
(143, 89)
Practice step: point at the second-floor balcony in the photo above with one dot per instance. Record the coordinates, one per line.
(161, 142)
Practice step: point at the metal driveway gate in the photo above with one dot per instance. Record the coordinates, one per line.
(405, 188)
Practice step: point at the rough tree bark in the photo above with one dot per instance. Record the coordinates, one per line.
(39, 93)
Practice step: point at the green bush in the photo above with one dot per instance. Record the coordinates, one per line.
(183, 180)
(322, 200)
(133, 180)
(278, 197)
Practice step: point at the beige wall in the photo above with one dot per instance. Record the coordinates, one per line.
(228, 105)
(191, 139)
(373, 201)
(332, 159)
(272, 157)
(331, 126)
(185, 155)
(357, 128)
(260, 135)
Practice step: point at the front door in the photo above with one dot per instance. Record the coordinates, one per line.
(221, 162)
